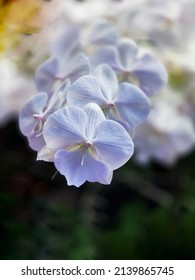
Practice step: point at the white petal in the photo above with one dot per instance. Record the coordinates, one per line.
(45, 154)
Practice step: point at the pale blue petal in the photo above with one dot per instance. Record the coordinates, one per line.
(108, 55)
(102, 34)
(127, 52)
(182, 143)
(76, 67)
(113, 144)
(151, 74)
(132, 104)
(164, 152)
(35, 105)
(79, 167)
(58, 99)
(182, 135)
(94, 117)
(113, 114)
(107, 180)
(36, 142)
(108, 81)
(45, 75)
(65, 128)
(66, 41)
(85, 90)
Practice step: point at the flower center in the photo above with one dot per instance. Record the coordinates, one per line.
(110, 105)
(87, 144)
(37, 116)
(60, 77)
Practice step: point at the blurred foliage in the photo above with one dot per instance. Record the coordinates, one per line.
(146, 213)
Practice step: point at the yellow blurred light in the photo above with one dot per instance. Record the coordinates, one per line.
(17, 17)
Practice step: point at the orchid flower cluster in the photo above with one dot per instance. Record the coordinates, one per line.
(169, 132)
(92, 92)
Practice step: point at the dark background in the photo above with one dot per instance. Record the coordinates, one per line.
(146, 213)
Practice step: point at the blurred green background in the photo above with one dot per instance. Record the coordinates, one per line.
(146, 213)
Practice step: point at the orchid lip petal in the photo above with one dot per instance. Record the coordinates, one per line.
(79, 167)
(45, 154)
